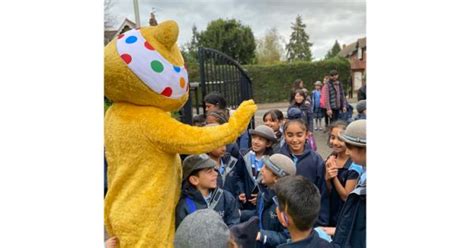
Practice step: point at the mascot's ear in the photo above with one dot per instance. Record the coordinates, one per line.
(167, 34)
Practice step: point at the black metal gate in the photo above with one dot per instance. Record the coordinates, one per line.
(218, 72)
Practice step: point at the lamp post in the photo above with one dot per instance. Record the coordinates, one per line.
(137, 14)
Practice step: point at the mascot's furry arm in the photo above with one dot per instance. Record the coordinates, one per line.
(173, 136)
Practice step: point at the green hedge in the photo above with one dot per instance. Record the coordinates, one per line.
(272, 83)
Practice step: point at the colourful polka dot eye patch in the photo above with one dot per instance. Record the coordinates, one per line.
(153, 69)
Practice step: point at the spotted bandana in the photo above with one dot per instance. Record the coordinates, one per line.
(151, 67)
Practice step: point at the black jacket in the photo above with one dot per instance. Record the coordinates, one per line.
(313, 241)
(351, 225)
(227, 206)
(311, 166)
(245, 181)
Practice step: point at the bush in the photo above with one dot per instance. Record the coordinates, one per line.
(272, 83)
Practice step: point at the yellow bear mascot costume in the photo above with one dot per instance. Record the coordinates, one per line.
(145, 77)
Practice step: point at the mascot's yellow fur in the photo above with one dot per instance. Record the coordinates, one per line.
(142, 140)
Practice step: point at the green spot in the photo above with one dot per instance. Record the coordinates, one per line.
(157, 66)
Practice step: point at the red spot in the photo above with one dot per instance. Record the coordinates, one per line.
(147, 45)
(127, 58)
(120, 36)
(167, 92)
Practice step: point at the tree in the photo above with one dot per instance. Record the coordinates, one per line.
(334, 51)
(109, 19)
(191, 48)
(299, 46)
(231, 38)
(269, 49)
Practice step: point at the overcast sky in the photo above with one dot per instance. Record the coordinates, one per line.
(326, 20)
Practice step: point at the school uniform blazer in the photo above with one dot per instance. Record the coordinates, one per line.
(311, 166)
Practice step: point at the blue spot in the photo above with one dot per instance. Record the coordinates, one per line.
(176, 68)
(131, 39)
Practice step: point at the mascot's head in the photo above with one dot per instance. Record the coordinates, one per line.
(145, 67)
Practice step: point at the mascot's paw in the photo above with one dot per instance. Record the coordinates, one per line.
(241, 117)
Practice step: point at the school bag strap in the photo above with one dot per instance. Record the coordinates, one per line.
(191, 205)
(215, 198)
(229, 168)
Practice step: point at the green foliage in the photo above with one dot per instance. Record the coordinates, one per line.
(272, 83)
(298, 48)
(269, 49)
(336, 48)
(231, 38)
(190, 51)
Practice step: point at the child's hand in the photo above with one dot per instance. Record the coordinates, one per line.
(253, 199)
(242, 198)
(111, 243)
(329, 230)
(331, 162)
(330, 173)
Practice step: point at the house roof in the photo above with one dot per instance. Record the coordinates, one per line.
(111, 34)
(352, 48)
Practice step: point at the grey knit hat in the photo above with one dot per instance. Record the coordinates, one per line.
(318, 83)
(355, 133)
(203, 228)
(265, 132)
(361, 106)
(280, 164)
(196, 162)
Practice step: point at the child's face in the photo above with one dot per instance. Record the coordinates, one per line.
(357, 155)
(317, 87)
(273, 124)
(259, 144)
(268, 178)
(218, 152)
(206, 178)
(337, 145)
(211, 107)
(299, 98)
(295, 137)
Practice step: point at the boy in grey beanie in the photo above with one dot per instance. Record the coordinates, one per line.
(203, 228)
(361, 110)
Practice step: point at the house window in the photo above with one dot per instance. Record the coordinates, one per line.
(359, 53)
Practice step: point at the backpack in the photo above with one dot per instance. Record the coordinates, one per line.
(215, 199)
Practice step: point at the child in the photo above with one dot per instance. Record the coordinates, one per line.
(216, 116)
(274, 119)
(271, 233)
(351, 225)
(199, 120)
(308, 162)
(250, 163)
(341, 173)
(317, 111)
(203, 228)
(215, 101)
(300, 102)
(298, 204)
(200, 191)
(225, 166)
(361, 110)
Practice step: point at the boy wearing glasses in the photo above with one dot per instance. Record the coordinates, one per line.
(298, 209)
(200, 191)
(271, 232)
